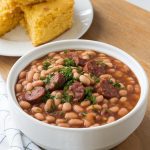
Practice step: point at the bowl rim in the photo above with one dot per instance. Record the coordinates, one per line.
(141, 101)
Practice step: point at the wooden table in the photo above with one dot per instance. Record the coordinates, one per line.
(128, 27)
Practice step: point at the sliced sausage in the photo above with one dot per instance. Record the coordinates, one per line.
(78, 89)
(94, 68)
(35, 94)
(76, 58)
(107, 89)
(56, 82)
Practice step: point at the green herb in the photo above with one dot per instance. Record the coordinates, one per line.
(53, 108)
(67, 84)
(79, 70)
(46, 64)
(67, 72)
(47, 79)
(84, 113)
(101, 63)
(89, 96)
(88, 91)
(66, 98)
(117, 85)
(61, 113)
(47, 96)
(96, 79)
(69, 62)
(65, 51)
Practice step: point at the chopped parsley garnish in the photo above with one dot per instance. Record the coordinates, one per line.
(47, 96)
(65, 51)
(67, 72)
(47, 79)
(66, 98)
(69, 62)
(117, 85)
(68, 83)
(53, 108)
(89, 96)
(84, 113)
(101, 63)
(79, 70)
(96, 79)
(46, 64)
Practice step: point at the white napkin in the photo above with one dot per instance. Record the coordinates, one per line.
(11, 138)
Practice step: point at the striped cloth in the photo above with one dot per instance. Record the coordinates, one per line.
(11, 138)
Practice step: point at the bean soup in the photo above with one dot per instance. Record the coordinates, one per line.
(77, 89)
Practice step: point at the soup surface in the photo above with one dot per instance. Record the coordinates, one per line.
(77, 89)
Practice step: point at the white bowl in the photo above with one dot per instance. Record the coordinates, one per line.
(58, 138)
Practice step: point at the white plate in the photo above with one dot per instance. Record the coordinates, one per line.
(17, 42)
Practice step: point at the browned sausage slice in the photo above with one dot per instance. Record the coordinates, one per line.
(94, 68)
(56, 82)
(78, 89)
(107, 89)
(35, 94)
(77, 59)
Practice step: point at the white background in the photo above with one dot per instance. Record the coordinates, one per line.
(145, 4)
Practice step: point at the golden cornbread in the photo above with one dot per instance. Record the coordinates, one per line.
(9, 17)
(26, 2)
(47, 20)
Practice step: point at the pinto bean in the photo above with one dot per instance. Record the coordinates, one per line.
(66, 107)
(39, 116)
(29, 76)
(122, 112)
(36, 76)
(84, 80)
(99, 98)
(114, 109)
(123, 99)
(60, 61)
(85, 103)
(24, 104)
(22, 74)
(111, 119)
(29, 87)
(123, 92)
(65, 125)
(50, 119)
(76, 75)
(36, 110)
(78, 109)
(60, 121)
(76, 122)
(18, 88)
(57, 102)
(87, 123)
(71, 115)
(130, 88)
(95, 125)
(114, 100)
(40, 67)
(48, 105)
(37, 83)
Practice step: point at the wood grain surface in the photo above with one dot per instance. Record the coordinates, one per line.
(126, 26)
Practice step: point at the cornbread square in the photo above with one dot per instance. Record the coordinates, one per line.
(9, 17)
(26, 2)
(45, 21)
